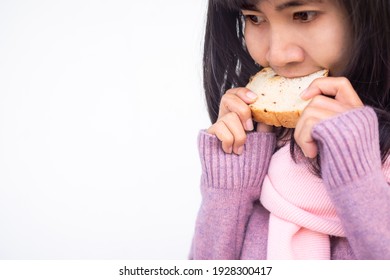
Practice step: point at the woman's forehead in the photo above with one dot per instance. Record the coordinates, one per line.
(280, 4)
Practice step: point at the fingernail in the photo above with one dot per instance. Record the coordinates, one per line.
(240, 150)
(249, 125)
(251, 95)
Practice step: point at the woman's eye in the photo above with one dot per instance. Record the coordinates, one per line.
(254, 19)
(305, 16)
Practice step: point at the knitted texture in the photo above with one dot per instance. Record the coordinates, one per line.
(233, 224)
(230, 184)
(352, 138)
(356, 181)
(302, 215)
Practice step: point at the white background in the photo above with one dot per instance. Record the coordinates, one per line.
(100, 106)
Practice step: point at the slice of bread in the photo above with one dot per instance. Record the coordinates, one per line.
(278, 101)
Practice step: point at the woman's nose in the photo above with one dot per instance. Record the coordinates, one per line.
(283, 49)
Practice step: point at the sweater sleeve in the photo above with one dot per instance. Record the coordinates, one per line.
(352, 172)
(229, 185)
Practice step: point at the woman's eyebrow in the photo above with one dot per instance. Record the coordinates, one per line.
(282, 6)
(294, 3)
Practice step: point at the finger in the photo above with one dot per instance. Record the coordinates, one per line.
(303, 138)
(236, 95)
(244, 94)
(338, 87)
(235, 127)
(322, 102)
(231, 102)
(220, 130)
(230, 132)
(303, 130)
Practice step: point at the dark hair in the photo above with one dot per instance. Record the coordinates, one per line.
(227, 64)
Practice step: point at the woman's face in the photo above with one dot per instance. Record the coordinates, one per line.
(298, 37)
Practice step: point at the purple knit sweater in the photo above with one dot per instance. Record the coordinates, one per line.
(232, 224)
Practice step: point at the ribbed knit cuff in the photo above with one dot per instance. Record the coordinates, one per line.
(349, 146)
(231, 171)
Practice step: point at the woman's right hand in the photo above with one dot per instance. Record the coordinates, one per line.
(234, 119)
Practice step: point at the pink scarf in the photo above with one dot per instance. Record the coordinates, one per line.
(302, 215)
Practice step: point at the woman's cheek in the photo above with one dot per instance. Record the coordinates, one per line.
(256, 46)
(258, 53)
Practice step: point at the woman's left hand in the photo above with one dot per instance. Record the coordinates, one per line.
(323, 106)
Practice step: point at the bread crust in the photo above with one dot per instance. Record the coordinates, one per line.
(273, 90)
(287, 119)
